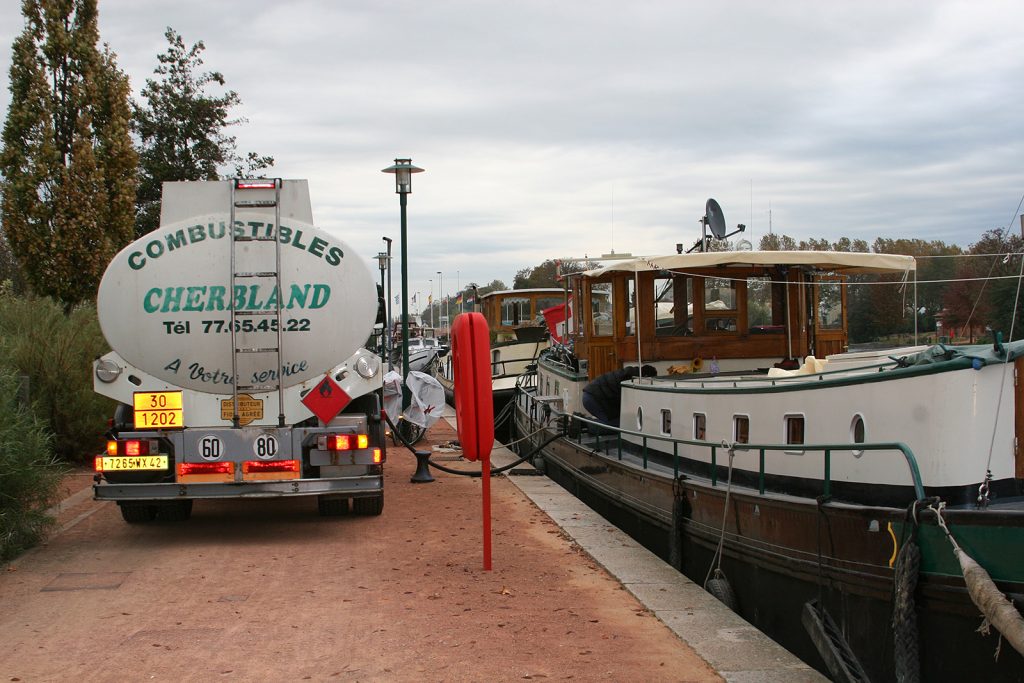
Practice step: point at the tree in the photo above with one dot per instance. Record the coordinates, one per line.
(67, 162)
(9, 271)
(493, 286)
(776, 242)
(989, 299)
(547, 274)
(181, 129)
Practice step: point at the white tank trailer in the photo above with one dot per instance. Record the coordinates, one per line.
(238, 361)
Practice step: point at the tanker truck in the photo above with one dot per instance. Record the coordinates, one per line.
(239, 363)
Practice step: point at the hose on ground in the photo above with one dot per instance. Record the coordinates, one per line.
(494, 470)
(465, 473)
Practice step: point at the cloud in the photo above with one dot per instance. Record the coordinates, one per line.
(567, 129)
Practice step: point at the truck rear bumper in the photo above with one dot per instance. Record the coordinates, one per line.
(352, 487)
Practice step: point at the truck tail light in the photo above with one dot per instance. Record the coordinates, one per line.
(187, 468)
(253, 466)
(256, 184)
(342, 442)
(132, 447)
(378, 457)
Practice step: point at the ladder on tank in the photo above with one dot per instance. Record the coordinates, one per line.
(240, 187)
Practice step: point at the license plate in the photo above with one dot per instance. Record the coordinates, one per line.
(140, 462)
(158, 410)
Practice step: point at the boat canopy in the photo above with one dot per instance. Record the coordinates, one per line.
(522, 292)
(847, 263)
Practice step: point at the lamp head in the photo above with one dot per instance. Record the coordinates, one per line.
(403, 170)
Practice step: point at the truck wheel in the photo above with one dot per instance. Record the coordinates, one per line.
(332, 506)
(137, 513)
(178, 511)
(369, 507)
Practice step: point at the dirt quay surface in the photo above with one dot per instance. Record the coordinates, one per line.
(269, 591)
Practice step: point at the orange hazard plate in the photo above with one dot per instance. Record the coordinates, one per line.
(158, 410)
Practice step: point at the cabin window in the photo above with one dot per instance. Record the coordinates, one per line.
(857, 434)
(666, 421)
(545, 303)
(601, 309)
(673, 306)
(719, 294)
(794, 429)
(759, 307)
(830, 306)
(515, 311)
(741, 428)
(556, 386)
(495, 362)
(699, 426)
(719, 305)
(547, 387)
(720, 324)
(631, 310)
(639, 418)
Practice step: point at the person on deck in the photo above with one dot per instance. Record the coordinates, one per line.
(603, 397)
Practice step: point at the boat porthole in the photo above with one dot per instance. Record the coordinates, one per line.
(857, 433)
(639, 418)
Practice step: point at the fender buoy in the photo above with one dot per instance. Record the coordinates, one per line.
(474, 406)
(720, 588)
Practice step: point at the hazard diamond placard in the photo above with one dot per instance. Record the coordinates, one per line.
(326, 399)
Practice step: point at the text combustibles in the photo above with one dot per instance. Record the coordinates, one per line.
(183, 237)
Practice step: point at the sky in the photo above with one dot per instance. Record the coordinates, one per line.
(563, 130)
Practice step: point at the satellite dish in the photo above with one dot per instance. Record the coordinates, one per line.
(744, 245)
(714, 220)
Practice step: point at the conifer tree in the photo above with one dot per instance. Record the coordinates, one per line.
(67, 162)
(181, 129)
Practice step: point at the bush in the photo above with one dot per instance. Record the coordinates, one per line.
(29, 473)
(55, 351)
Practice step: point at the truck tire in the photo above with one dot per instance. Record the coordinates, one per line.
(178, 511)
(137, 513)
(332, 506)
(370, 506)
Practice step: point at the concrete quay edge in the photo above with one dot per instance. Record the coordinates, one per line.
(737, 650)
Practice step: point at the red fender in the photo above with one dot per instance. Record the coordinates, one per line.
(474, 398)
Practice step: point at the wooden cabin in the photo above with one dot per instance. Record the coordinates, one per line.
(511, 309)
(723, 305)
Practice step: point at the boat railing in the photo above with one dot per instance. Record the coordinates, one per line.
(513, 367)
(742, 379)
(572, 424)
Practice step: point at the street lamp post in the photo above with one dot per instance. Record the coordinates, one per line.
(382, 262)
(390, 323)
(440, 292)
(403, 170)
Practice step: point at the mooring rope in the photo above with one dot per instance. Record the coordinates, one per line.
(716, 561)
(994, 606)
(906, 656)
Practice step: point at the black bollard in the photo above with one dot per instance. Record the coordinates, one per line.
(422, 474)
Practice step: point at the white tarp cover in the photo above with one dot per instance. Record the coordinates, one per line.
(393, 394)
(427, 398)
(837, 261)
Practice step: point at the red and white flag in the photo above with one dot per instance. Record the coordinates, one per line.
(559, 321)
